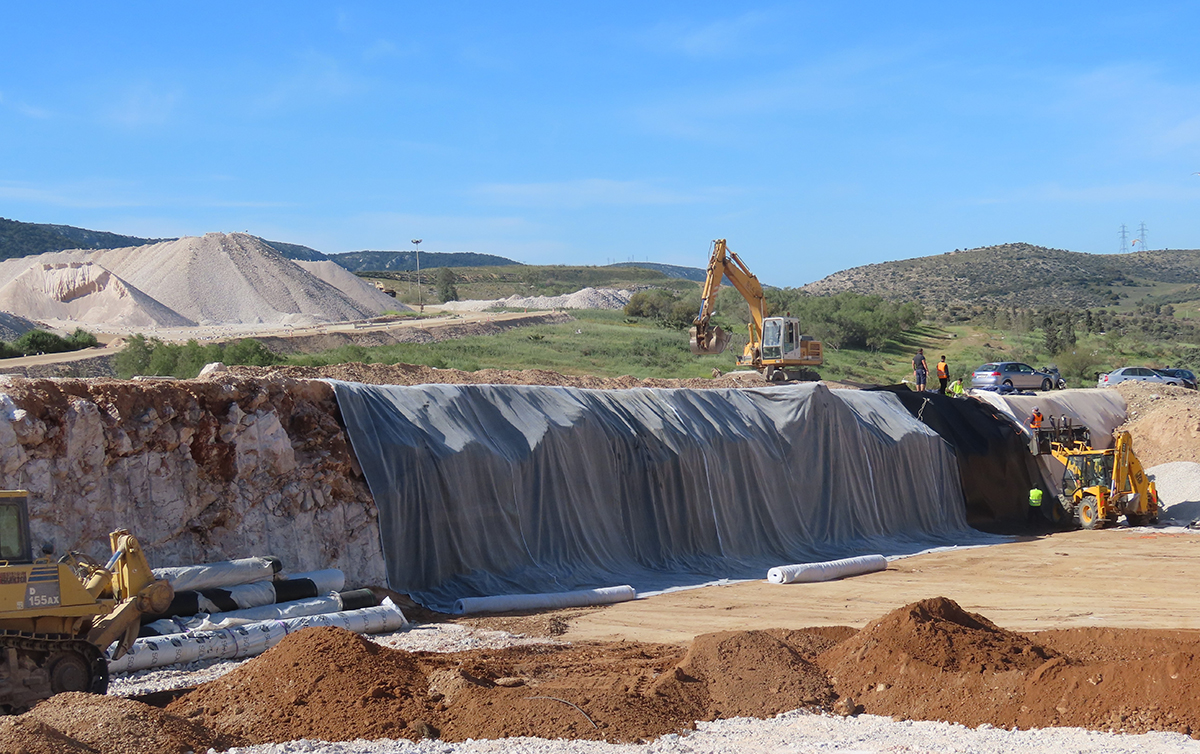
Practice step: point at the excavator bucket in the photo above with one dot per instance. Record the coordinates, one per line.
(713, 341)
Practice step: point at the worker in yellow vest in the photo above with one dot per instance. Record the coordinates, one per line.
(956, 389)
(1035, 505)
(943, 371)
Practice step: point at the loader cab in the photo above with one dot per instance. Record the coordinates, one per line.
(14, 527)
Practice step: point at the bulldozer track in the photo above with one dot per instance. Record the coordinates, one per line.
(47, 646)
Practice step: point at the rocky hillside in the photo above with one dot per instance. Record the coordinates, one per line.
(1018, 274)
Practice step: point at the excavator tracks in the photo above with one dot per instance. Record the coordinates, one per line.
(37, 666)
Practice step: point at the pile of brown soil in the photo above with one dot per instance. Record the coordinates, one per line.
(76, 722)
(1164, 422)
(746, 673)
(934, 661)
(322, 683)
(927, 661)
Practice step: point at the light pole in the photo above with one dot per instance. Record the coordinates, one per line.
(416, 242)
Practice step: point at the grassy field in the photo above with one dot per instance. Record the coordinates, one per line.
(525, 280)
(610, 344)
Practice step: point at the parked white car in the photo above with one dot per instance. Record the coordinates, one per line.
(1140, 374)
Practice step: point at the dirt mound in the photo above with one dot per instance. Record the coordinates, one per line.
(1164, 422)
(19, 735)
(746, 673)
(941, 635)
(110, 725)
(323, 683)
(934, 661)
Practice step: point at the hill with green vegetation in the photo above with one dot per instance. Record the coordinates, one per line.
(18, 239)
(363, 261)
(697, 274)
(1024, 275)
(296, 251)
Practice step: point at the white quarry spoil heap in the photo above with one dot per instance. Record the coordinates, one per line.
(215, 279)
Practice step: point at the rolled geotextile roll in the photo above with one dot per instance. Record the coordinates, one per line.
(243, 596)
(309, 584)
(329, 603)
(356, 599)
(507, 602)
(225, 573)
(827, 570)
(250, 639)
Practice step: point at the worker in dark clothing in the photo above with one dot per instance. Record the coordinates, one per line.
(1035, 505)
(943, 372)
(920, 370)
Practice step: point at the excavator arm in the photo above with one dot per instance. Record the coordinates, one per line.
(707, 338)
(1129, 479)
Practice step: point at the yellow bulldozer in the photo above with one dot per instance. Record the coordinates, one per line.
(1099, 486)
(58, 618)
(775, 346)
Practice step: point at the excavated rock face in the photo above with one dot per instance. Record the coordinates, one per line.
(198, 470)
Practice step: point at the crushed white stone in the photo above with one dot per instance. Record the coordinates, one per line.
(797, 732)
(586, 298)
(1178, 486)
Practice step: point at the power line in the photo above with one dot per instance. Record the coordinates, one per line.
(1142, 235)
(1124, 234)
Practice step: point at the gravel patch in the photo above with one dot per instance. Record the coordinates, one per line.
(1178, 486)
(792, 732)
(586, 298)
(428, 637)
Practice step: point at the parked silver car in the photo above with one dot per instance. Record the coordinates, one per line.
(1012, 374)
(1140, 374)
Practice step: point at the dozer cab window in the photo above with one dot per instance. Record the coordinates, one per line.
(789, 342)
(772, 347)
(14, 532)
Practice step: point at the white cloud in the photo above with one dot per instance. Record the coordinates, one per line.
(591, 192)
(143, 105)
(319, 79)
(714, 39)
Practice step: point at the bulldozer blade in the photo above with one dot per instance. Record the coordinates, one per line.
(714, 341)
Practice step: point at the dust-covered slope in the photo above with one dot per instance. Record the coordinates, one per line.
(218, 279)
(85, 293)
(352, 285)
(1014, 274)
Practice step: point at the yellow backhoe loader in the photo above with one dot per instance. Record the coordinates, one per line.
(1099, 486)
(57, 619)
(775, 347)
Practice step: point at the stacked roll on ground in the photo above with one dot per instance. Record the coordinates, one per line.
(827, 570)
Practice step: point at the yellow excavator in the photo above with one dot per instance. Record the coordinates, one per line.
(775, 347)
(57, 619)
(1099, 486)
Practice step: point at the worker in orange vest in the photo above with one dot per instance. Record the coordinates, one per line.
(943, 370)
(1035, 419)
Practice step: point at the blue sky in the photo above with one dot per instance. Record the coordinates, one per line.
(814, 136)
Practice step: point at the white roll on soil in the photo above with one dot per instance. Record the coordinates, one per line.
(327, 580)
(213, 575)
(509, 602)
(250, 639)
(827, 570)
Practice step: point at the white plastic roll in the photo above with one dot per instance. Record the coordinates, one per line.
(330, 603)
(507, 602)
(250, 639)
(242, 595)
(327, 580)
(226, 573)
(827, 570)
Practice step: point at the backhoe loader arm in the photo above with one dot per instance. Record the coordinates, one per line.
(726, 264)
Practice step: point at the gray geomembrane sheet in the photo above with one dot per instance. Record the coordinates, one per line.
(510, 489)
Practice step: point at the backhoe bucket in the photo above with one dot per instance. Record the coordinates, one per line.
(714, 341)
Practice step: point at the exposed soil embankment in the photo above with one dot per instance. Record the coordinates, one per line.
(927, 661)
(1164, 421)
(199, 470)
